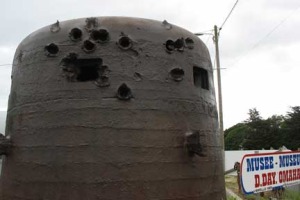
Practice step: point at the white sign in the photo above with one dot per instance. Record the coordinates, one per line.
(263, 172)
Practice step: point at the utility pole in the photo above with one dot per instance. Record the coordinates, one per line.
(216, 40)
(221, 128)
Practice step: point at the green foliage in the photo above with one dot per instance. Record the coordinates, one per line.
(263, 134)
(231, 198)
(292, 128)
(254, 116)
(259, 133)
(234, 136)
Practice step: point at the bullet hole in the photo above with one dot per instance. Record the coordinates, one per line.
(91, 23)
(124, 92)
(103, 79)
(69, 59)
(137, 76)
(103, 71)
(81, 70)
(125, 42)
(177, 74)
(89, 46)
(167, 25)
(179, 44)
(201, 78)
(101, 35)
(192, 143)
(69, 67)
(51, 49)
(189, 43)
(212, 110)
(54, 28)
(75, 34)
(170, 45)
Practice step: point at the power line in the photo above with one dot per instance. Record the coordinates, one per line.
(265, 37)
(210, 30)
(208, 37)
(276, 27)
(228, 15)
(5, 64)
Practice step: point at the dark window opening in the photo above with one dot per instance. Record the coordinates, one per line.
(87, 70)
(82, 69)
(201, 78)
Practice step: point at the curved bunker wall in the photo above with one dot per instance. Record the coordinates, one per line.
(112, 108)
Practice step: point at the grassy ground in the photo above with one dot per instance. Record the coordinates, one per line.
(231, 183)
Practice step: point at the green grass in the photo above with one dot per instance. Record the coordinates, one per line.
(291, 195)
(231, 183)
(230, 198)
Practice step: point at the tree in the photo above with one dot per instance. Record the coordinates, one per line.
(257, 133)
(254, 131)
(235, 136)
(274, 129)
(291, 128)
(254, 116)
(263, 134)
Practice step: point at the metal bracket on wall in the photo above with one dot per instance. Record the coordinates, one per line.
(193, 144)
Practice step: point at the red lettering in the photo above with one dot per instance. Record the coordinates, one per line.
(273, 175)
(264, 179)
(284, 176)
(290, 172)
(269, 179)
(257, 180)
(289, 175)
(280, 177)
(294, 174)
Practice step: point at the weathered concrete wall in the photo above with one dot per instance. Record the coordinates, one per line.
(100, 108)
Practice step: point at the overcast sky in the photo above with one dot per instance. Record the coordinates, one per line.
(259, 44)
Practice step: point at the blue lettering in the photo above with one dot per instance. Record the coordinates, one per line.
(261, 159)
(289, 160)
(260, 163)
(281, 161)
(256, 164)
(249, 165)
(271, 162)
(266, 162)
(294, 160)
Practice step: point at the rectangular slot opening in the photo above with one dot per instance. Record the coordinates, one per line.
(201, 78)
(87, 69)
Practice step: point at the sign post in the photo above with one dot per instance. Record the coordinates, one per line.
(269, 171)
